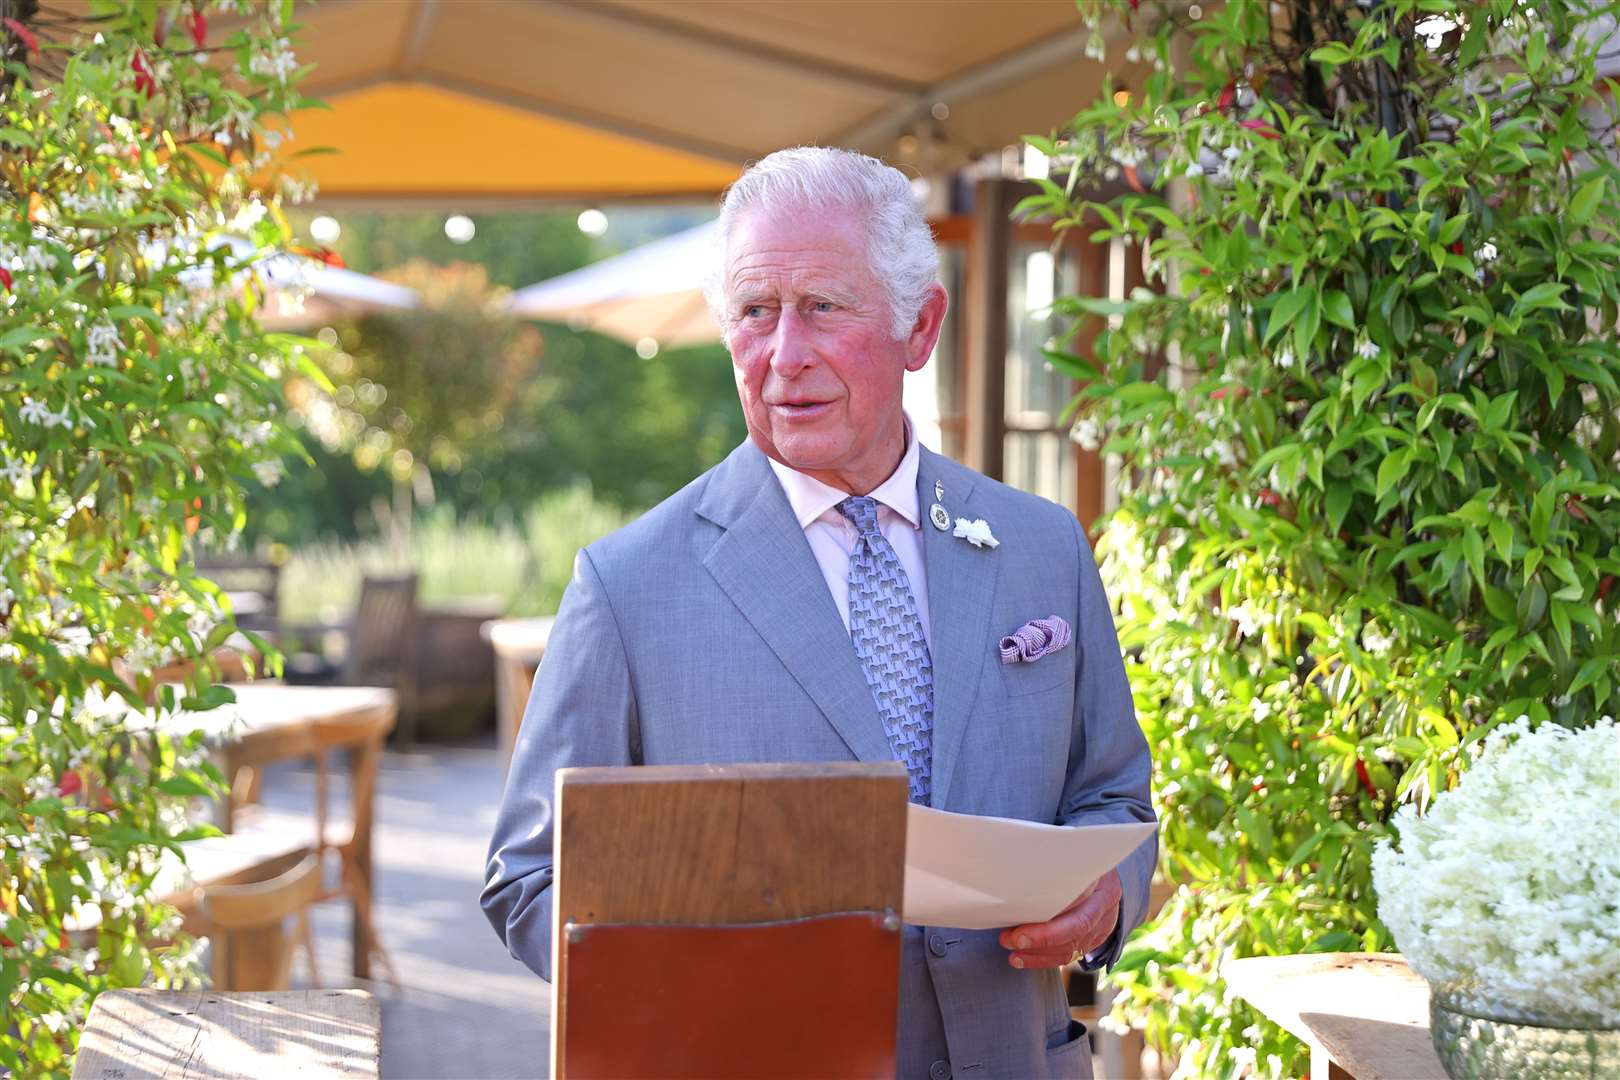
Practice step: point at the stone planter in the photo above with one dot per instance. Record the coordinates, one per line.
(1480, 1037)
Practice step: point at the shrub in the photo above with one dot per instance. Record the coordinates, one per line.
(1371, 493)
(136, 394)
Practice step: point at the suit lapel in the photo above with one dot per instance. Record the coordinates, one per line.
(764, 564)
(961, 586)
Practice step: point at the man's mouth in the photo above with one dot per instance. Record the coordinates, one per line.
(800, 408)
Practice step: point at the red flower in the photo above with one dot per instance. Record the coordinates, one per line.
(1228, 95)
(1235, 391)
(1573, 505)
(144, 82)
(70, 784)
(1366, 780)
(198, 25)
(1136, 5)
(22, 34)
(1269, 498)
(1260, 128)
(1605, 585)
(321, 255)
(5, 277)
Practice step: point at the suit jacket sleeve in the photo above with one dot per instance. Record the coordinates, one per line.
(1109, 768)
(582, 711)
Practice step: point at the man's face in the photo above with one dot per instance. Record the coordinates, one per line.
(808, 325)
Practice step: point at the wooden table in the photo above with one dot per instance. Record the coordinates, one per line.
(1365, 1016)
(205, 1035)
(275, 722)
(519, 645)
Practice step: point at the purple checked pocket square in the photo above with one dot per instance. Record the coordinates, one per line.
(1034, 639)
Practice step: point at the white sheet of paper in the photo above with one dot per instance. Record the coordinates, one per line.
(984, 873)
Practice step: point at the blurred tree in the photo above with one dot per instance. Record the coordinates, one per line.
(514, 248)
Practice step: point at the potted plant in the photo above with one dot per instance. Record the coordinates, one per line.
(1505, 896)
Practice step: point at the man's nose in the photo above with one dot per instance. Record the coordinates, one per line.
(791, 347)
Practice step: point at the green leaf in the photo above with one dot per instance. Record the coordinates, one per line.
(1338, 504)
(1532, 605)
(1585, 201)
(1502, 536)
(1392, 470)
(1289, 305)
(1337, 310)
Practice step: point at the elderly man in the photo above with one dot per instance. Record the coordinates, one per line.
(810, 599)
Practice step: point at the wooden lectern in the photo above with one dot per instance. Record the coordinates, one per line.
(733, 921)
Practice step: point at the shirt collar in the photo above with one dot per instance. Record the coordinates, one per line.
(810, 498)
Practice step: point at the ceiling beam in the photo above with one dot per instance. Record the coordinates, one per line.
(718, 43)
(418, 34)
(891, 122)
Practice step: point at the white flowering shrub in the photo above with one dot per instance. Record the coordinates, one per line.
(1368, 422)
(1511, 880)
(137, 394)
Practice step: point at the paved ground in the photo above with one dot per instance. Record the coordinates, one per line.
(464, 1009)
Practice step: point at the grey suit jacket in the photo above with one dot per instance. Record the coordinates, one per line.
(704, 633)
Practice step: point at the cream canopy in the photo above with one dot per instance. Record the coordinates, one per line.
(456, 100)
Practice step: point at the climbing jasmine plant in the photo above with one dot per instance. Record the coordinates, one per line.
(137, 394)
(1367, 418)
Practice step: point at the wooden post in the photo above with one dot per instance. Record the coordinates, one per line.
(986, 330)
(728, 921)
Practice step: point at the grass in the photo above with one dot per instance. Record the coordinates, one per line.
(520, 568)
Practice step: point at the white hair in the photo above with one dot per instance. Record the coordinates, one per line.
(899, 246)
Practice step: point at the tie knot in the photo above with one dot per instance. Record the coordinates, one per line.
(861, 510)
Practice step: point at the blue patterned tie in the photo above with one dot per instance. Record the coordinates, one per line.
(888, 637)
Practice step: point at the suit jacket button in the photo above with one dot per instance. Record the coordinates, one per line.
(936, 944)
(939, 1070)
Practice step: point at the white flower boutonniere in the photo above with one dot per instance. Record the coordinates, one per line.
(976, 532)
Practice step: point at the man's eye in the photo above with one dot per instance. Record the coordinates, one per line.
(823, 305)
(753, 311)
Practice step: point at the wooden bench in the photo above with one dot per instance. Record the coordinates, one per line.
(209, 1035)
(1365, 1016)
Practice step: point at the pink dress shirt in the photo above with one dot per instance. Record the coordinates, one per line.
(832, 537)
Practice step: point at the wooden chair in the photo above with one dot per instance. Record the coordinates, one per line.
(245, 913)
(364, 737)
(381, 647)
(253, 584)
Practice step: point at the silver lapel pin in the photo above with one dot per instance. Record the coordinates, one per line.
(939, 517)
(939, 490)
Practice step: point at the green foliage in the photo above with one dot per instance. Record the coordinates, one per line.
(524, 564)
(136, 395)
(423, 387)
(1370, 431)
(457, 403)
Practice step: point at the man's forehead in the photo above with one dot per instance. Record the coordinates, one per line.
(807, 249)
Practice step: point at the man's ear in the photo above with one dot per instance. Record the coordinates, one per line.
(925, 331)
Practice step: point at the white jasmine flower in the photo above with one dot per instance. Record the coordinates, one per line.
(976, 532)
(1285, 358)
(103, 343)
(1194, 171)
(1224, 453)
(1087, 433)
(1501, 885)
(15, 470)
(277, 64)
(269, 472)
(1486, 252)
(1366, 348)
(37, 412)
